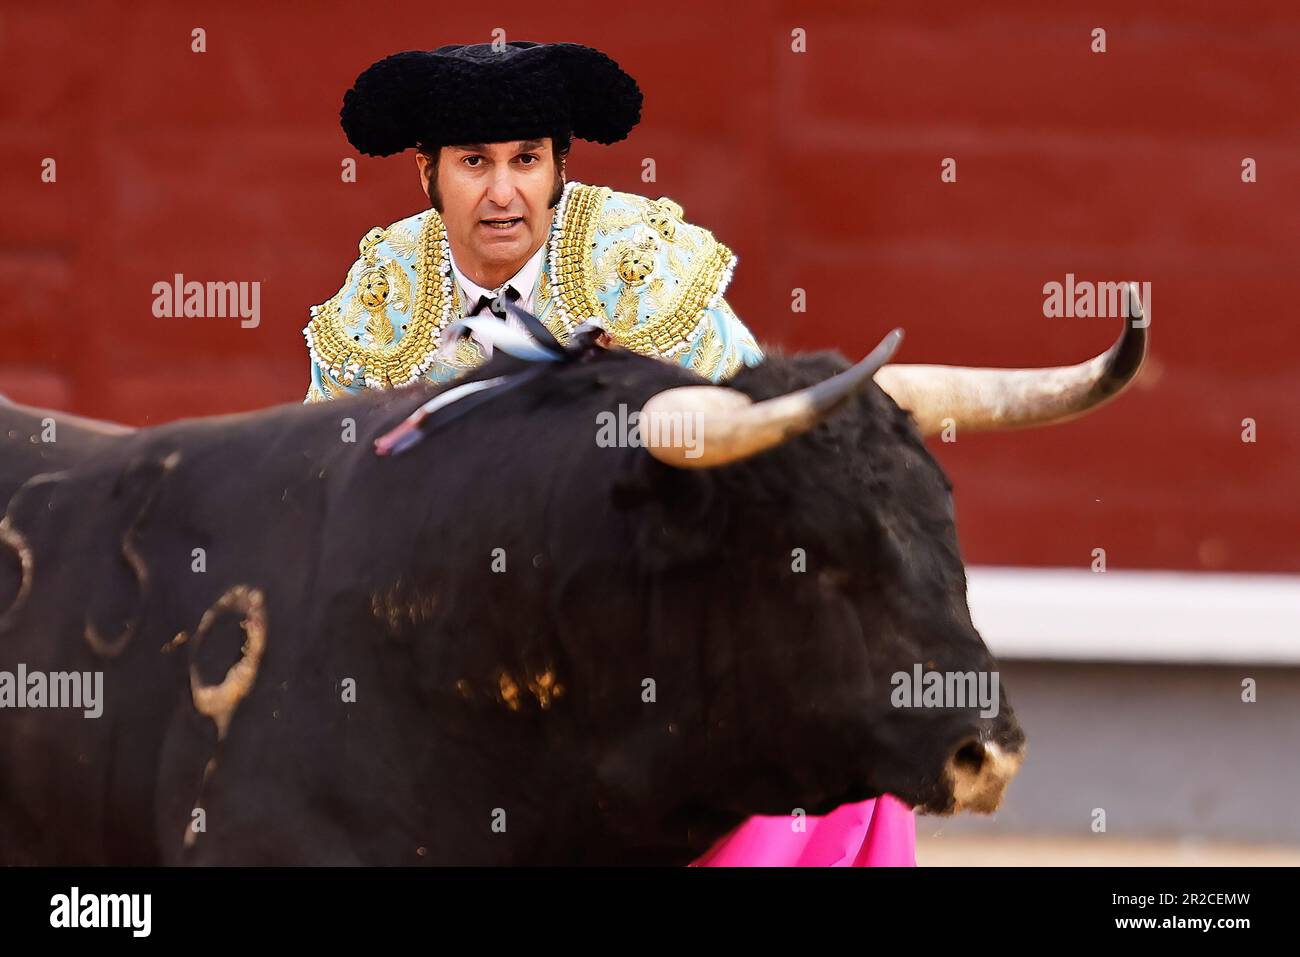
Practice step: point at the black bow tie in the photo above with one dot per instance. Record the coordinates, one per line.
(495, 304)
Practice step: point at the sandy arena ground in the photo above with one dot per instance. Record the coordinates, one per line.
(1099, 850)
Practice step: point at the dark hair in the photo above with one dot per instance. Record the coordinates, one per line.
(561, 142)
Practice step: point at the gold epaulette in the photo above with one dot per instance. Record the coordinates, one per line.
(637, 267)
(352, 336)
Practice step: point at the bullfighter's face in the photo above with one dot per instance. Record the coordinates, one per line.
(496, 202)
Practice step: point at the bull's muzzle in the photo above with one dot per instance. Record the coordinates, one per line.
(978, 774)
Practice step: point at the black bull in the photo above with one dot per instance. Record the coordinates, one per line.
(509, 644)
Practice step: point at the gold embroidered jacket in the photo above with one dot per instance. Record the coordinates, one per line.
(630, 263)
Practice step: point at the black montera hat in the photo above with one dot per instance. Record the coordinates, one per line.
(483, 93)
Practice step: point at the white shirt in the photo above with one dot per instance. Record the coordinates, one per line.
(524, 282)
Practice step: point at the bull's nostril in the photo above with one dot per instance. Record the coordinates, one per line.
(970, 756)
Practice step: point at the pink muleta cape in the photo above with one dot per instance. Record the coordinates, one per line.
(876, 833)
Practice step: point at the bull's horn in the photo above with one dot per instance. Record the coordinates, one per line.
(988, 399)
(730, 426)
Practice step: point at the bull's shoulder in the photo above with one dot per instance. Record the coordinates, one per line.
(638, 266)
(382, 328)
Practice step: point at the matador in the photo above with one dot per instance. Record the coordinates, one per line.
(491, 125)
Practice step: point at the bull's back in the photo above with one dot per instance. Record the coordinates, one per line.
(36, 441)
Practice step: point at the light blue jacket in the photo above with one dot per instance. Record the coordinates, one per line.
(654, 281)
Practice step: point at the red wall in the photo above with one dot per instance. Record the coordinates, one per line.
(820, 169)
